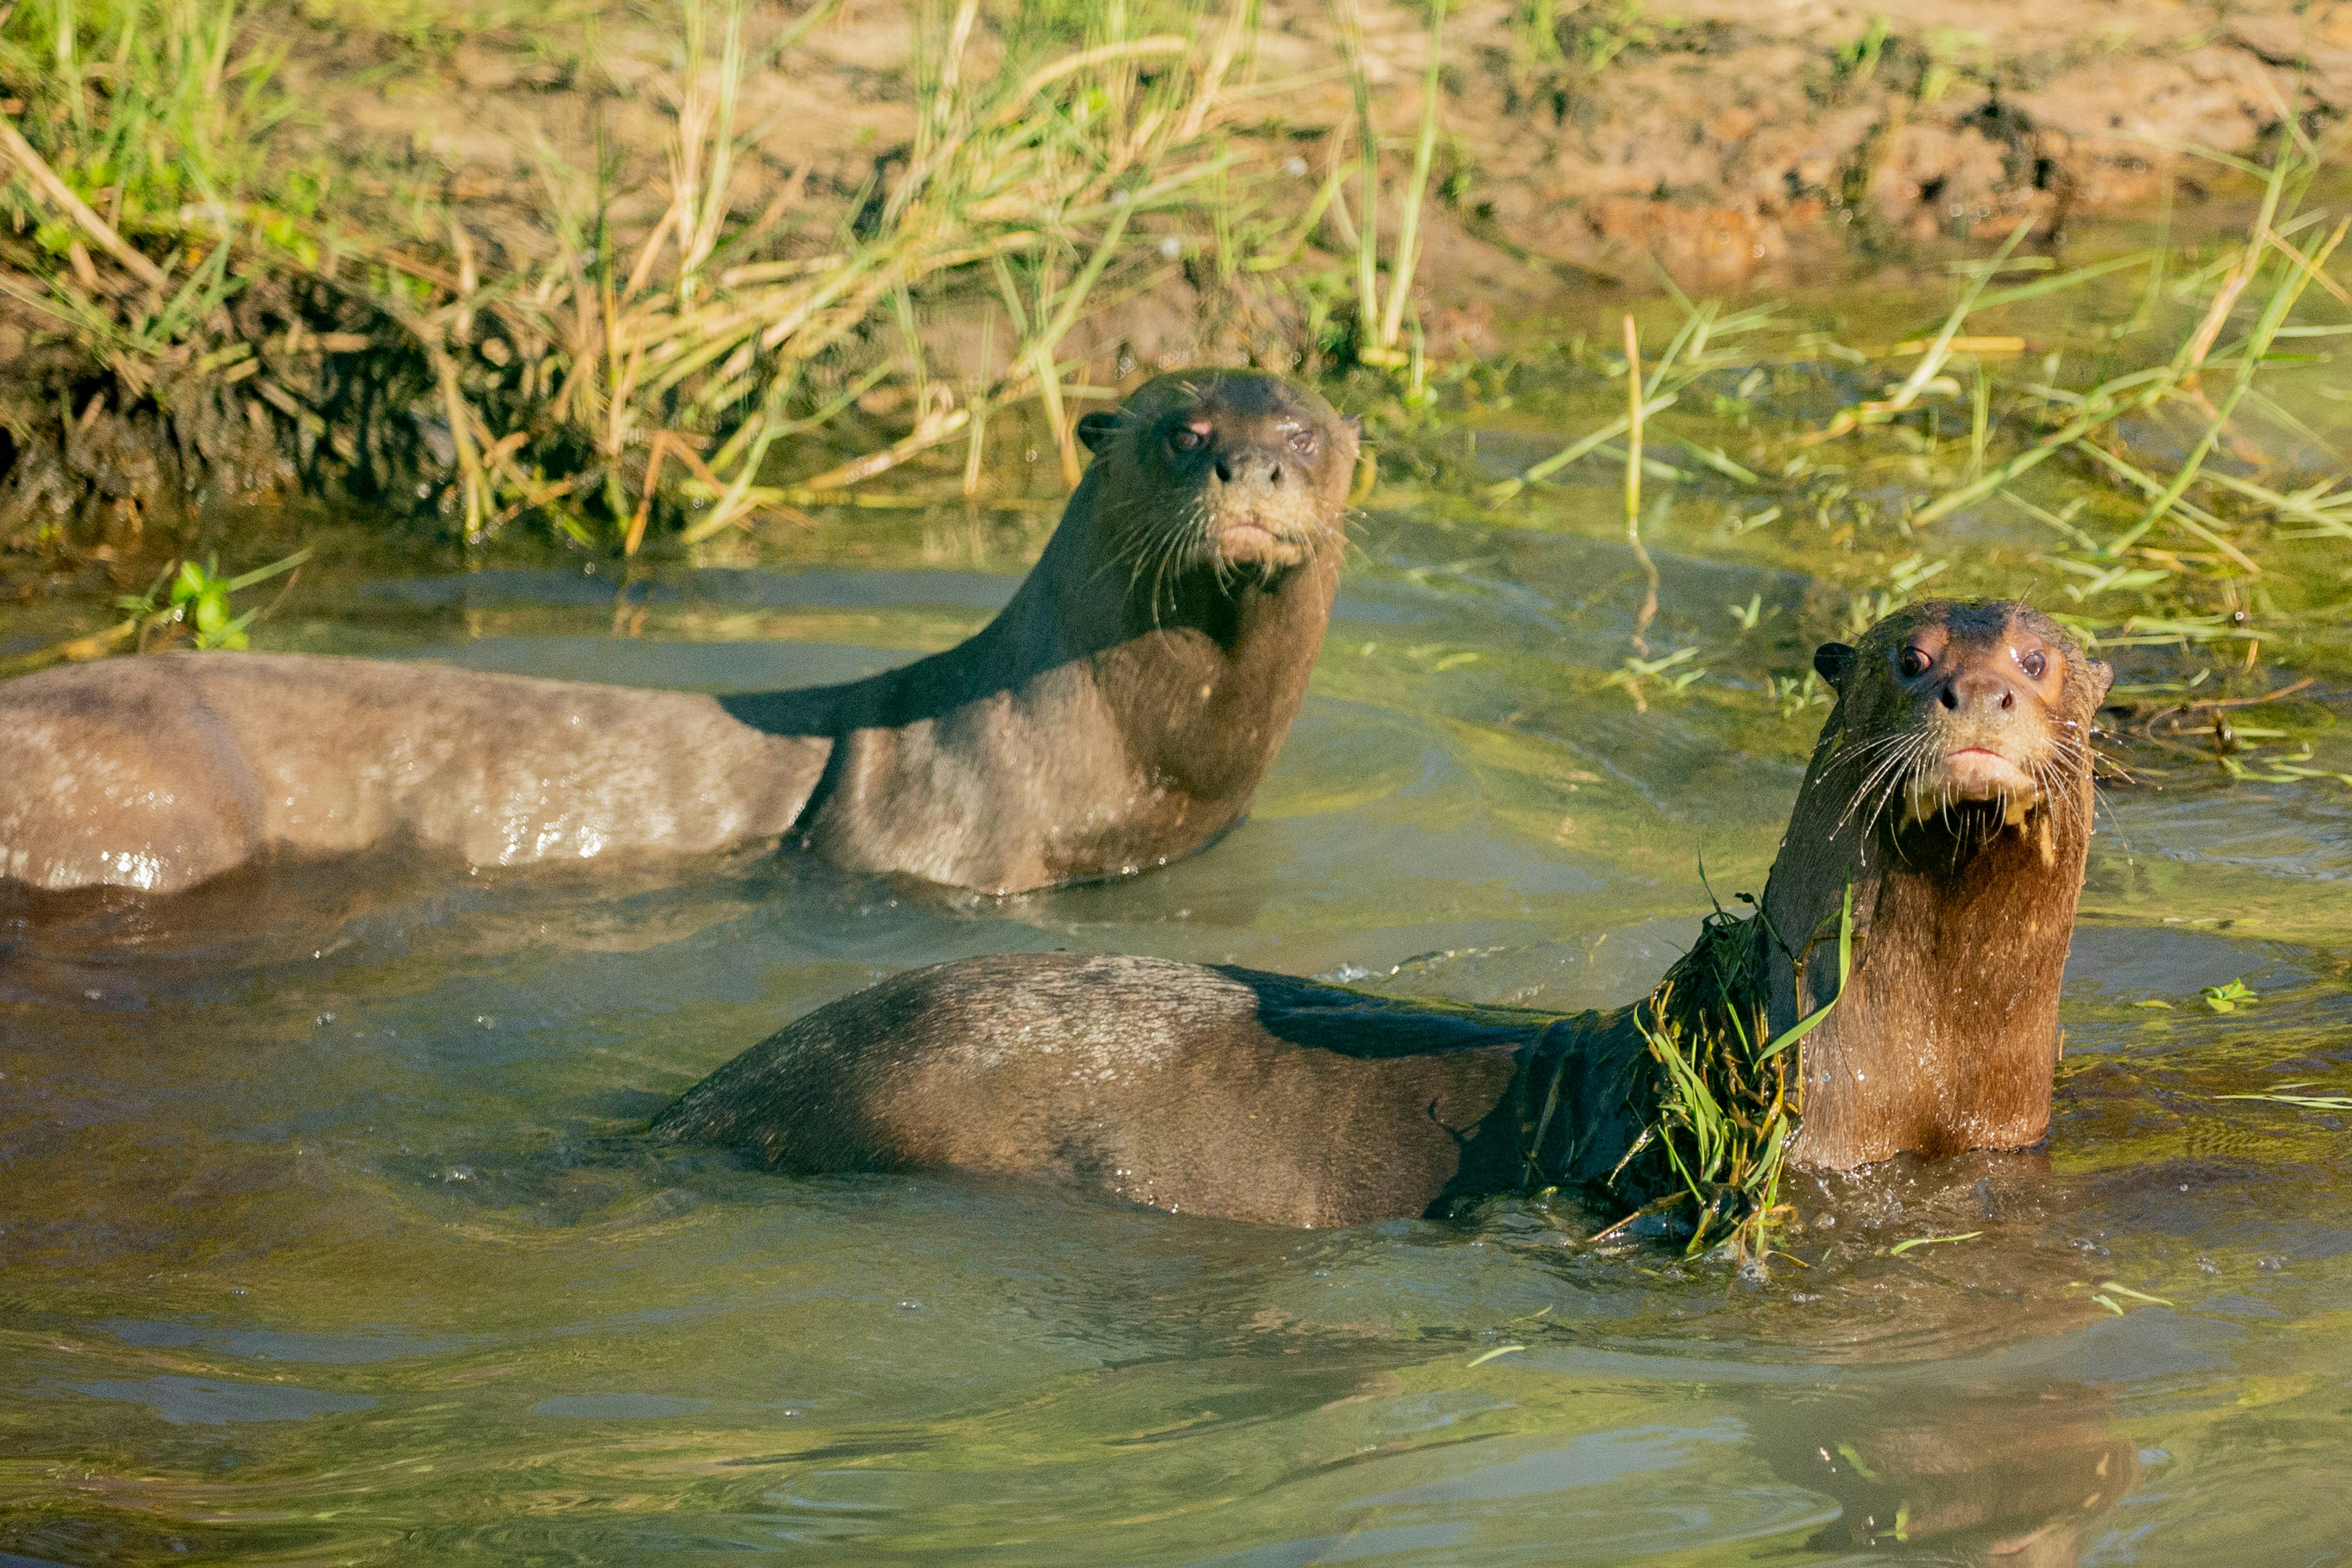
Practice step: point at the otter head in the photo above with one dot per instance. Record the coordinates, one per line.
(1950, 800)
(1223, 470)
(1959, 716)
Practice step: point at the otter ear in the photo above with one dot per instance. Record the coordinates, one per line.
(1097, 429)
(1354, 425)
(2103, 675)
(1834, 661)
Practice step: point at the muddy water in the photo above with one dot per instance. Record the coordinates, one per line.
(325, 1234)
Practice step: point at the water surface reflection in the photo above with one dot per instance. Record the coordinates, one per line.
(326, 1234)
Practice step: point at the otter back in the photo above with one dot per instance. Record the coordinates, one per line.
(1227, 1092)
(157, 773)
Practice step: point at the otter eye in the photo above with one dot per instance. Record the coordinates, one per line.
(1915, 663)
(2033, 664)
(1302, 442)
(1188, 438)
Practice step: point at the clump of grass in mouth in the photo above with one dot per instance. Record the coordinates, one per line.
(1728, 1088)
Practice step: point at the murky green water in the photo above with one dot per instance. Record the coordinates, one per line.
(326, 1236)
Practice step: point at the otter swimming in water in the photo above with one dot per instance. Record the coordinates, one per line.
(1951, 791)
(1118, 713)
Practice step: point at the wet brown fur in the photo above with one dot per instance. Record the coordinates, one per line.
(1222, 1092)
(1117, 714)
(1255, 1096)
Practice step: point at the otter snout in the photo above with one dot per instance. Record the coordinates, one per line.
(1985, 717)
(1984, 735)
(1980, 747)
(1976, 693)
(1259, 508)
(1249, 466)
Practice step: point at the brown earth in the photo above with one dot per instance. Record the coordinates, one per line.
(1739, 143)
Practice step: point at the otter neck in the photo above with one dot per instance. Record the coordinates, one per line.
(1946, 1038)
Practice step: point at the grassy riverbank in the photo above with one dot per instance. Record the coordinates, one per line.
(616, 274)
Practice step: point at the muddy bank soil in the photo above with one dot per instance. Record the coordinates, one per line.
(1739, 141)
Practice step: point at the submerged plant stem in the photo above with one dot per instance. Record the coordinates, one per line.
(1634, 409)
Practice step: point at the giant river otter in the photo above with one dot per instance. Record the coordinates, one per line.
(1951, 791)
(1118, 713)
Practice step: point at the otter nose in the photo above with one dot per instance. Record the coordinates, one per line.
(1249, 463)
(1977, 691)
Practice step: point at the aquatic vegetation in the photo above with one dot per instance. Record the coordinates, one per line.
(1382, 317)
(1729, 1096)
(187, 601)
(193, 600)
(2246, 301)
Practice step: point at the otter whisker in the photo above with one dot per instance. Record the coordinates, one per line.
(1135, 552)
(1889, 750)
(1893, 746)
(2112, 761)
(1863, 797)
(1856, 751)
(1871, 758)
(1159, 577)
(1133, 555)
(1911, 766)
(1907, 743)
(2079, 754)
(2099, 798)
(1178, 547)
(2052, 796)
(2066, 772)
(1150, 555)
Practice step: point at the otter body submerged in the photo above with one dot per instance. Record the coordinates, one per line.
(1118, 713)
(1951, 791)
(1221, 1091)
